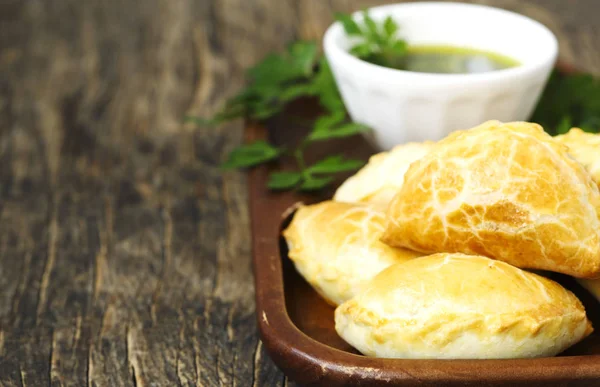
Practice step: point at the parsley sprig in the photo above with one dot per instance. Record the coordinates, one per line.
(377, 43)
(301, 71)
(274, 82)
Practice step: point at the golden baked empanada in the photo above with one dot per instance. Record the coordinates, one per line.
(585, 148)
(455, 306)
(378, 181)
(505, 191)
(336, 248)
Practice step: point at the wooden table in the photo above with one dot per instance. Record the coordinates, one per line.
(124, 250)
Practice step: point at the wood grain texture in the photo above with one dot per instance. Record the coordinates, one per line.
(124, 251)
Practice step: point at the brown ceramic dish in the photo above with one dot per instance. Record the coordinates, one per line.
(297, 326)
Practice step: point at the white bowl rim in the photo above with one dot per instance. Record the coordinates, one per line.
(362, 66)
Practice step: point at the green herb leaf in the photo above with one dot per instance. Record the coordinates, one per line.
(350, 26)
(272, 71)
(284, 180)
(362, 50)
(324, 126)
(399, 47)
(568, 100)
(295, 91)
(313, 183)
(275, 69)
(390, 27)
(572, 97)
(372, 30)
(345, 130)
(334, 164)
(349, 129)
(564, 126)
(303, 56)
(591, 124)
(265, 111)
(251, 154)
(229, 113)
(379, 44)
(326, 123)
(325, 88)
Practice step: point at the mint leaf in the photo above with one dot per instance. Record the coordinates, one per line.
(350, 26)
(284, 180)
(334, 164)
(312, 183)
(390, 27)
(251, 154)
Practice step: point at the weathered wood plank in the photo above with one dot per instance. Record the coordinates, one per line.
(124, 251)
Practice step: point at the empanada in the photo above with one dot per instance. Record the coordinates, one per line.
(505, 191)
(378, 181)
(455, 306)
(336, 248)
(585, 148)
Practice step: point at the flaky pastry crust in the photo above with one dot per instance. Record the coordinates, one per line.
(455, 306)
(378, 181)
(336, 247)
(505, 191)
(585, 148)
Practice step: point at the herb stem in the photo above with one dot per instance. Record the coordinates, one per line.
(299, 155)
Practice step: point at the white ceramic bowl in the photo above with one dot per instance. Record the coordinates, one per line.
(403, 106)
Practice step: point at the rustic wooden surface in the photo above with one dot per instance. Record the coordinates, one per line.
(124, 251)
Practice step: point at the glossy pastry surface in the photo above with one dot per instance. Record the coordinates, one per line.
(585, 148)
(454, 306)
(378, 181)
(336, 248)
(505, 191)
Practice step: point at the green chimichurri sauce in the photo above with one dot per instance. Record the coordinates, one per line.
(446, 60)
